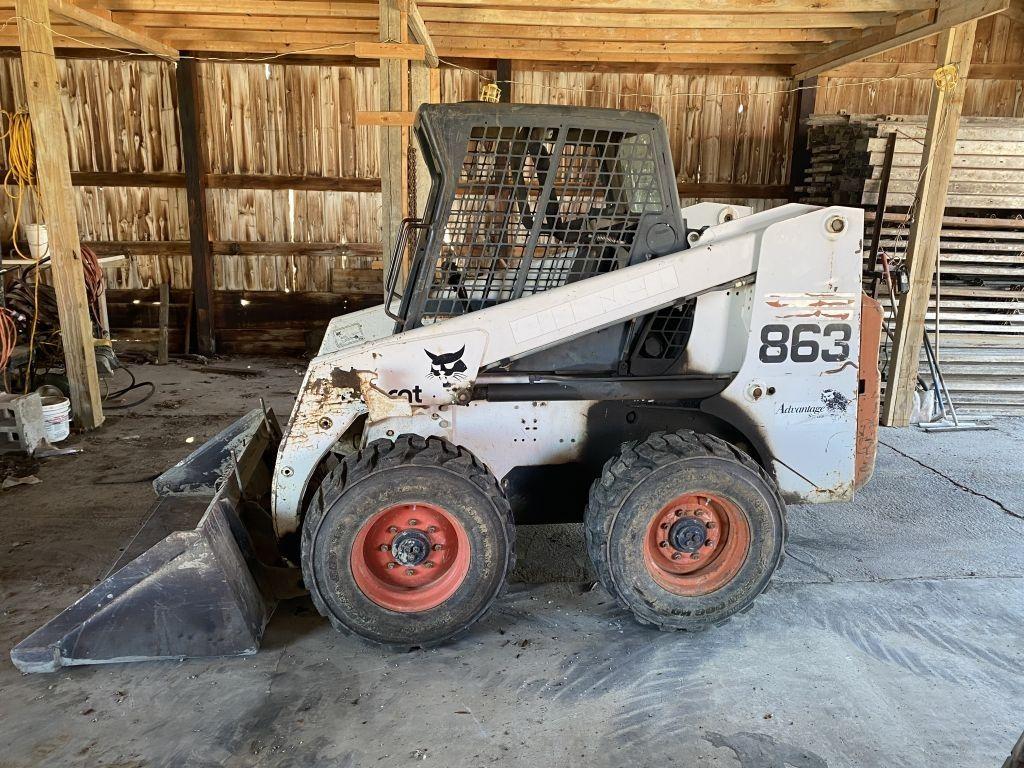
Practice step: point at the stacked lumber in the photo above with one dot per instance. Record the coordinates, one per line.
(847, 154)
(981, 298)
(981, 244)
(840, 160)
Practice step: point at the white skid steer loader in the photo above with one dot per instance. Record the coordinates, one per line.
(568, 343)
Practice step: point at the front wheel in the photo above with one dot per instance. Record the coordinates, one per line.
(684, 529)
(407, 543)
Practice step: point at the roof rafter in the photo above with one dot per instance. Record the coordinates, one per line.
(418, 30)
(905, 28)
(101, 21)
(1016, 11)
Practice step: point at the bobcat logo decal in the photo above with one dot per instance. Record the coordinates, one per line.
(448, 367)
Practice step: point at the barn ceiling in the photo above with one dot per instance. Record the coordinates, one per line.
(801, 37)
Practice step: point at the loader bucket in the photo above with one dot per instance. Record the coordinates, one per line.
(198, 593)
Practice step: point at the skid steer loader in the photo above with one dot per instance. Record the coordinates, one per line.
(567, 344)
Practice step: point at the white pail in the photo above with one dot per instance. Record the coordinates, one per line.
(56, 414)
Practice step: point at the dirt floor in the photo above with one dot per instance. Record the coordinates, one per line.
(894, 634)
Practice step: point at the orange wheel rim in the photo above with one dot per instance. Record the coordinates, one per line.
(410, 557)
(696, 543)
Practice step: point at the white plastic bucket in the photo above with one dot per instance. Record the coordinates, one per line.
(38, 239)
(56, 414)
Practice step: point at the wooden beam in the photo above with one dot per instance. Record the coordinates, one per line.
(95, 20)
(284, 181)
(955, 45)
(1016, 11)
(406, 118)
(924, 70)
(56, 202)
(906, 28)
(418, 30)
(393, 84)
(389, 50)
(800, 152)
(420, 92)
(449, 46)
(596, 53)
(757, 7)
(172, 180)
(503, 78)
(650, 68)
(192, 148)
(662, 19)
(637, 35)
(731, 190)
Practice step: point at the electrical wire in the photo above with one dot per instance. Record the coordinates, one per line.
(108, 397)
(8, 338)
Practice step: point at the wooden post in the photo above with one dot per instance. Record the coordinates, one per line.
(503, 78)
(194, 156)
(393, 140)
(800, 153)
(165, 311)
(955, 46)
(57, 207)
(423, 85)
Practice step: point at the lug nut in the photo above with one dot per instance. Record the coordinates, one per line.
(391, 565)
(676, 556)
(663, 544)
(431, 529)
(393, 529)
(438, 547)
(709, 543)
(384, 547)
(678, 513)
(695, 556)
(410, 572)
(414, 522)
(428, 564)
(710, 525)
(664, 526)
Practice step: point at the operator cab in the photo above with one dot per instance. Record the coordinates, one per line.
(525, 198)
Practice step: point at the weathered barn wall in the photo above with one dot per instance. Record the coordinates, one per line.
(730, 134)
(995, 88)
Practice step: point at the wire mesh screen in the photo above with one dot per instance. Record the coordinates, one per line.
(668, 332)
(537, 208)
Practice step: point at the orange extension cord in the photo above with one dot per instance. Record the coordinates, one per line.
(8, 336)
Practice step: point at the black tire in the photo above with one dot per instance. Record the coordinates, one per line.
(635, 486)
(410, 469)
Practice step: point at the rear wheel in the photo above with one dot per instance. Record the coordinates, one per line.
(407, 543)
(684, 529)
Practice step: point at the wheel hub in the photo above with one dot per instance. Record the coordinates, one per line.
(696, 543)
(410, 547)
(410, 557)
(688, 535)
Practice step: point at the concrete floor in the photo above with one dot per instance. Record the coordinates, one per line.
(892, 637)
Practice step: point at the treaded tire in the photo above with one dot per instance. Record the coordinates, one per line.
(411, 468)
(637, 483)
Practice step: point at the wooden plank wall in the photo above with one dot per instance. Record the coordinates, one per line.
(998, 50)
(276, 119)
(289, 120)
(120, 117)
(722, 129)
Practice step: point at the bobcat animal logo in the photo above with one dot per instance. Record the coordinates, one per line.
(448, 367)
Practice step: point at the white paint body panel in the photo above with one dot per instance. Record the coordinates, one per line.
(798, 265)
